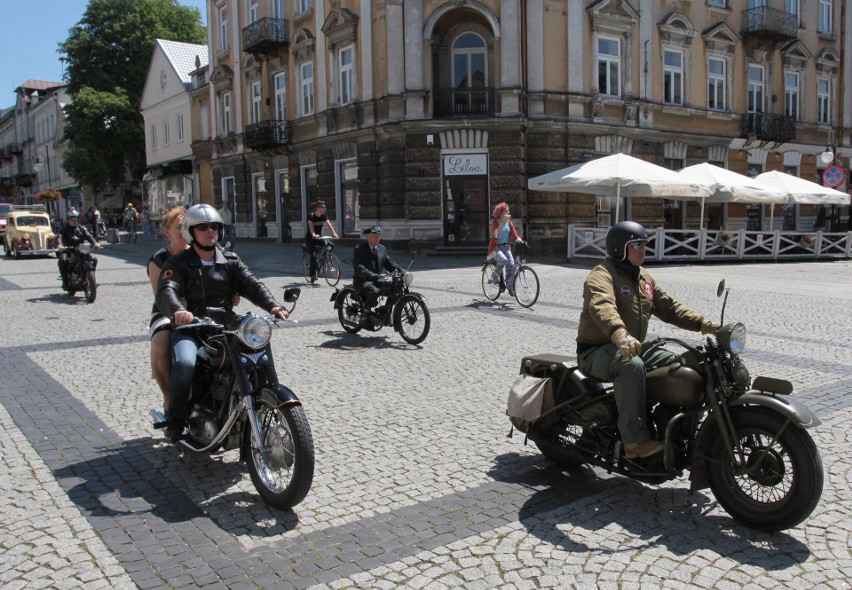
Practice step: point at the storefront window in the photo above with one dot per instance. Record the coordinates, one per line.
(347, 179)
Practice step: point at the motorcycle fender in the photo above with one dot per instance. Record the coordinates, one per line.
(284, 395)
(334, 298)
(91, 263)
(339, 294)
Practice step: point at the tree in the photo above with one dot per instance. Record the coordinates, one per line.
(107, 55)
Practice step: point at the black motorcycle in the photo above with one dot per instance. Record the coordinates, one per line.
(236, 401)
(398, 306)
(100, 232)
(80, 271)
(744, 439)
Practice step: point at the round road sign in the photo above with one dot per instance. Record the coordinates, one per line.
(833, 176)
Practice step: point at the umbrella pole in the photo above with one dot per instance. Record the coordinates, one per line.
(771, 216)
(617, 200)
(701, 216)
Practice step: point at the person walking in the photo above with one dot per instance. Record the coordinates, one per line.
(229, 235)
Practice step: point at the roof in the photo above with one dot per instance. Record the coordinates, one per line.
(182, 57)
(39, 85)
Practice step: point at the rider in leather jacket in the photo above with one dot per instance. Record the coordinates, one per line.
(72, 234)
(204, 276)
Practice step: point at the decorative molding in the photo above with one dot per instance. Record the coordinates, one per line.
(613, 144)
(463, 138)
(676, 29)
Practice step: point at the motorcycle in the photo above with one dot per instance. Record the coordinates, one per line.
(400, 307)
(745, 440)
(236, 401)
(81, 271)
(100, 232)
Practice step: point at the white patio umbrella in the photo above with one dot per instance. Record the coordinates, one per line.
(728, 186)
(799, 190)
(629, 176)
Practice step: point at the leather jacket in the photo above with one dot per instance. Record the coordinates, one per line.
(73, 236)
(183, 276)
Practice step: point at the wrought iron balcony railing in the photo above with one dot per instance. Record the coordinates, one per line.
(7, 181)
(770, 23)
(268, 135)
(463, 102)
(23, 180)
(266, 36)
(766, 128)
(15, 148)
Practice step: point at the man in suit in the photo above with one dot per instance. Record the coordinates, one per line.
(369, 260)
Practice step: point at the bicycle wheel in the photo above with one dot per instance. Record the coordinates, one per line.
(330, 269)
(526, 286)
(490, 289)
(306, 266)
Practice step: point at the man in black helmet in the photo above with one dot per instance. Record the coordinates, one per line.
(619, 297)
(71, 235)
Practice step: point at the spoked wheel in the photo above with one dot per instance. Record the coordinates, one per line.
(491, 290)
(306, 266)
(90, 287)
(330, 269)
(349, 312)
(282, 467)
(781, 480)
(412, 317)
(526, 286)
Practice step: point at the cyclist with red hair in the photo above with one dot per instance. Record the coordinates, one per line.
(503, 235)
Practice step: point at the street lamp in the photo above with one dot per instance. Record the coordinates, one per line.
(38, 164)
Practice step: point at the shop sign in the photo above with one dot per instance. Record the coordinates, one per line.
(466, 165)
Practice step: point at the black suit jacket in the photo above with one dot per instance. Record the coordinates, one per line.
(365, 266)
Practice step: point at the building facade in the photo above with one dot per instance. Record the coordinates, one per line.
(422, 115)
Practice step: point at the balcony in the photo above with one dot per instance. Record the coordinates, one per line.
(15, 148)
(5, 153)
(266, 36)
(23, 180)
(770, 24)
(268, 135)
(7, 182)
(463, 102)
(766, 128)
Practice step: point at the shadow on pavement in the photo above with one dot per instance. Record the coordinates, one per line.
(670, 517)
(60, 299)
(346, 342)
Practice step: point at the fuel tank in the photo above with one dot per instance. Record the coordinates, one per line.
(675, 385)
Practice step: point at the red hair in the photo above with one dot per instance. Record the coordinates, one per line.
(499, 208)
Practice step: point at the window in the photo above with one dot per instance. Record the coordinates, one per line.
(254, 11)
(791, 94)
(223, 28)
(281, 96)
(823, 101)
(792, 7)
(306, 83)
(717, 84)
(344, 63)
(469, 61)
(609, 66)
(256, 104)
(179, 126)
(672, 77)
(720, 3)
(302, 6)
(824, 19)
(278, 9)
(153, 137)
(228, 191)
(167, 139)
(225, 113)
(755, 88)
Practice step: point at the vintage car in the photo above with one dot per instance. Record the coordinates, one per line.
(4, 211)
(28, 233)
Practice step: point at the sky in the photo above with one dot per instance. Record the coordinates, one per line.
(31, 31)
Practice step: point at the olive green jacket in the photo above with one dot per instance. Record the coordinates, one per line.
(614, 298)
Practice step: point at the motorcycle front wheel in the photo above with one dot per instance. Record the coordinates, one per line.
(282, 469)
(781, 480)
(412, 317)
(90, 287)
(349, 312)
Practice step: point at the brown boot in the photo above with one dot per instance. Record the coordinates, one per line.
(643, 449)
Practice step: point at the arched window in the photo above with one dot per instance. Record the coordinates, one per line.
(469, 61)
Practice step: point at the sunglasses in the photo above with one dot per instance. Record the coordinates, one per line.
(638, 245)
(206, 226)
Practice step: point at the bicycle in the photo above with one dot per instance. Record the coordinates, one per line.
(526, 285)
(328, 265)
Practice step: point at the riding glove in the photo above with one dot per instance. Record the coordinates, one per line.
(627, 345)
(708, 327)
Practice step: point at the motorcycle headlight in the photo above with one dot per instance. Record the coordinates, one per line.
(255, 332)
(407, 278)
(732, 338)
(85, 248)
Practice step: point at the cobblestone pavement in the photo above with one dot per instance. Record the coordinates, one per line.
(417, 484)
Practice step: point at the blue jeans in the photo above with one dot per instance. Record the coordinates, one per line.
(503, 259)
(229, 235)
(184, 352)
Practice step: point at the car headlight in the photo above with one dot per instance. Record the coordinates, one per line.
(255, 332)
(407, 278)
(85, 248)
(732, 337)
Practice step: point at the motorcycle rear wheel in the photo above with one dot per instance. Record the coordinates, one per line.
(283, 470)
(350, 311)
(412, 316)
(787, 480)
(559, 448)
(90, 287)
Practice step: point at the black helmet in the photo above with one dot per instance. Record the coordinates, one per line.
(196, 214)
(619, 235)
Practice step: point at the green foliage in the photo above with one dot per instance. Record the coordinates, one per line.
(107, 55)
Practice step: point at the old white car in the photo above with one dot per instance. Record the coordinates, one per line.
(28, 233)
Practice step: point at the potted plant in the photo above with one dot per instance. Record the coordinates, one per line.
(48, 196)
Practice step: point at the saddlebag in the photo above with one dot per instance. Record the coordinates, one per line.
(529, 397)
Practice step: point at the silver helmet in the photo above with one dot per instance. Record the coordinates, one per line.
(200, 214)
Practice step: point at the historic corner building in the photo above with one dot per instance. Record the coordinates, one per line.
(421, 115)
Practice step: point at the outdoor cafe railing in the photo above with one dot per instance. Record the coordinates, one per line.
(684, 245)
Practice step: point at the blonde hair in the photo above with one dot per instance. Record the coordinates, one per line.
(170, 216)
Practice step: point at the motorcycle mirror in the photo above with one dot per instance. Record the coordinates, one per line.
(292, 295)
(721, 288)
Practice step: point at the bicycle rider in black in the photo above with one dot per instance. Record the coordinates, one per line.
(313, 237)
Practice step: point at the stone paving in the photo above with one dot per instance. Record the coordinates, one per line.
(417, 484)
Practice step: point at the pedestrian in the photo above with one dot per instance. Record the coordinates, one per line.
(229, 236)
(131, 216)
(619, 296)
(503, 235)
(313, 237)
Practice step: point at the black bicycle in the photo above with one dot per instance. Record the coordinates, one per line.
(525, 286)
(328, 264)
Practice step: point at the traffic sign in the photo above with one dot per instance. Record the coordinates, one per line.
(833, 176)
